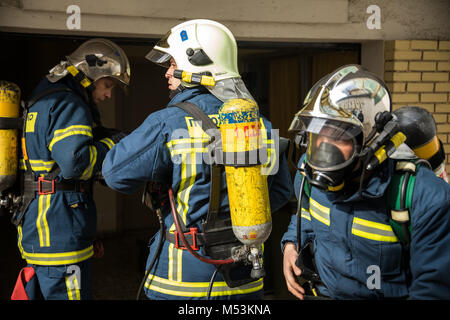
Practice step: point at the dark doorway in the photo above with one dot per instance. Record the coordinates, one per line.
(277, 74)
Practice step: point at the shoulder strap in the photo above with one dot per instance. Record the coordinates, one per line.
(216, 170)
(197, 113)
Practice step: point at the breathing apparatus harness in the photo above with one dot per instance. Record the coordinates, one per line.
(18, 201)
(399, 193)
(217, 239)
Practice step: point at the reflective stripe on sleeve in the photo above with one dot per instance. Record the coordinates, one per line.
(108, 142)
(60, 134)
(87, 173)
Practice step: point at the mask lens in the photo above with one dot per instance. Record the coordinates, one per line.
(331, 146)
(326, 152)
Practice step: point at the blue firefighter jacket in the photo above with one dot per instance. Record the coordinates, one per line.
(168, 147)
(354, 242)
(59, 228)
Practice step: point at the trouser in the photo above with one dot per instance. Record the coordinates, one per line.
(66, 282)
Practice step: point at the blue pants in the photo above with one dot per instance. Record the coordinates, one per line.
(67, 282)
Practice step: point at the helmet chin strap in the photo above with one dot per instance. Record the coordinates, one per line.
(173, 93)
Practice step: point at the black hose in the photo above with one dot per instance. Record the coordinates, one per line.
(158, 250)
(211, 282)
(299, 214)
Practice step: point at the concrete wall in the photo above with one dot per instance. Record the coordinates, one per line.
(262, 20)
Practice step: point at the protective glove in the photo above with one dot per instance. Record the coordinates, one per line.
(114, 134)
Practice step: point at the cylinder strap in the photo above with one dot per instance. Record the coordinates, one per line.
(11, 123)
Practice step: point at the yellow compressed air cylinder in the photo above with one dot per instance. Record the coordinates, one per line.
(9, 108)
(247, 187)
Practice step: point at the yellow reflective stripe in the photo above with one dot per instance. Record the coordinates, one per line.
(271, 157)
(188, 150)
(73, 288)
(187, 145)
(60, 134)
(41, 222)
(305, 214)
(108, 142)
(319, 212)
(179, 264)
(271, 150)
(175, 142)
(373, 230)
(188, 173)
(171, 261)
(87, 173)
(38, 165)
(19, 240)
(198, 289)
(49, 259)
(175, 262)
(189, 176)
(199, 145)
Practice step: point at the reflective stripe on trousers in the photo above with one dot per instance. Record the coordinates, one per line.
(198, 289)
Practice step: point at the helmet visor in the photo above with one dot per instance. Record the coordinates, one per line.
(332, 145)
(159, 57)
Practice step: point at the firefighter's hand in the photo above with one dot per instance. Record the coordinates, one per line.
(290, 270)
(117, 136)
(114, 134)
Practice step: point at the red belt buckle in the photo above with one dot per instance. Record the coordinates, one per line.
(193, 232)
(40, 180)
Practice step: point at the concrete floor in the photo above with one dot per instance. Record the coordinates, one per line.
(118, 274)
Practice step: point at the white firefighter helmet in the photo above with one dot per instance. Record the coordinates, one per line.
(204, 47)
(96, 58)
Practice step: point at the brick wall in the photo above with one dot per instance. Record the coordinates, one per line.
(417, 73)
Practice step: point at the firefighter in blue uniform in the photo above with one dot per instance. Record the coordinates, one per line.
(56, 233)
(347, 229)
(167, 148)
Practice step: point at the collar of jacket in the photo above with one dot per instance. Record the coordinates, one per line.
(70, 83)
(373, 189)
(188, 94)
(64, 82)
(376, 185)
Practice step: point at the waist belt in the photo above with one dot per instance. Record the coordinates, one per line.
(223, 236)
(193, 238)
(43, 186)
